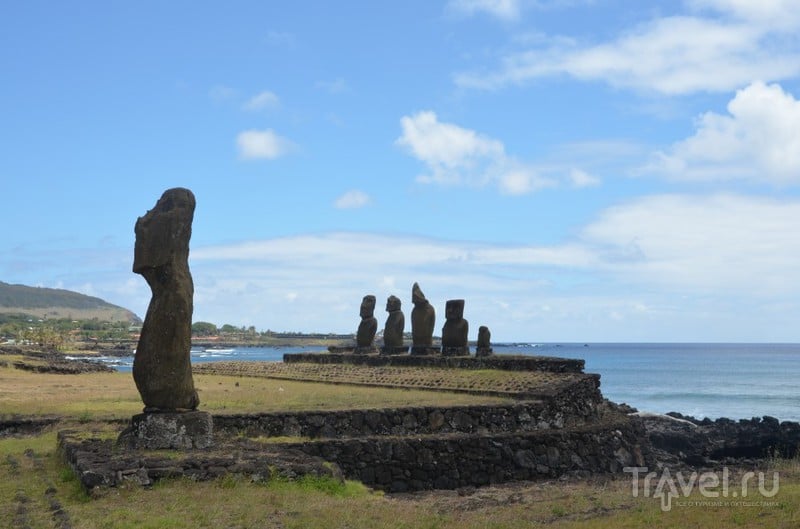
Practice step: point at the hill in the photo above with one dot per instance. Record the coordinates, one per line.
(56, 303)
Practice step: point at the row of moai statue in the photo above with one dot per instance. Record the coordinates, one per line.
(455, 341)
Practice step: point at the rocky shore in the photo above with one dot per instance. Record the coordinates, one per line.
(680, 440)
(49, 362)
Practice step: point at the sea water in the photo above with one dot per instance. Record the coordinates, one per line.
(738, 381)
(703, 380)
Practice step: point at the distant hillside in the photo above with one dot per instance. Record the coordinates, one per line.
(58, 303)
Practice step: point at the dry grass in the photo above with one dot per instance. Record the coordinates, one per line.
(113, 395)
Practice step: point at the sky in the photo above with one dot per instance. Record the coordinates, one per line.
(576, 170)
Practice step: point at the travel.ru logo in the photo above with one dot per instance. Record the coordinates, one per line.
(711, 485)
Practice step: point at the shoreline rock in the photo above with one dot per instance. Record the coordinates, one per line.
(683, 439)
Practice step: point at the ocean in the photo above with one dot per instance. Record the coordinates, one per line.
(738, 381)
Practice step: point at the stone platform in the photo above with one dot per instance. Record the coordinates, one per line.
(100, 465)
(516, 384)
(554, 421)
(166, 430)
(497, 361)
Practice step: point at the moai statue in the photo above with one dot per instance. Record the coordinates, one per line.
(368, 326)
(393, 331)
(455, 330)
(484, 347)
(162, 367)
(423, 319)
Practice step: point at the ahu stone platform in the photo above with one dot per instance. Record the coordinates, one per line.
(554, 421)
(503, 362)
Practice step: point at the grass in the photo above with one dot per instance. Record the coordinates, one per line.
(99, 396)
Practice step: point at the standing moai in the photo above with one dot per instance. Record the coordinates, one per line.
(368, 326)
(423, 320)
(393, 330)
(456, 329)
(162, 367)
(484, 347)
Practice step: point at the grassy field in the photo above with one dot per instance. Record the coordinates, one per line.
(114, 395)
(37, 491)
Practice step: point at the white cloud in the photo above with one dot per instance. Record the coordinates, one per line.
(671, 266)
(445, 146)
(352, 199)
(261, 101)
(331, 271)
(458, 156)
(522, 180)
(758, 140)
(262, 144)
(567, 255)
(581, 179)
(337, 249)
(721, 243)
(670, 55)
(727, 243)
(503, 9)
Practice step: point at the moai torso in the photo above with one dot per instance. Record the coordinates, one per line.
(455, 332)
(395, 324)
(423, 319)
(484, 346)
(369, 324)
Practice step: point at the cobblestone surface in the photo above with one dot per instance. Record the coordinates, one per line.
(525, 384)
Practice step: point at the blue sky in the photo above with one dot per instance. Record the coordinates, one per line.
(577, 170)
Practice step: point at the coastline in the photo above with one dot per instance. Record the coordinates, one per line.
(739, 381)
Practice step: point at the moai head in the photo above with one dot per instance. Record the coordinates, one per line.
(417, 297)
(484, 336)
(392, 304)
(163, 233)
(367, 307)
(454, 309)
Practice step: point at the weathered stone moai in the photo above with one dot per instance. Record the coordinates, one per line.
(423, 320)
(162, 367)
(456, 329)
(393, 330)
(367, 328)
(484, 347)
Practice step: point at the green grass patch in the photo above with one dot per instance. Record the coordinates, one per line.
(324, 484)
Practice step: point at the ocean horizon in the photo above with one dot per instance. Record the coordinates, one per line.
(734, 380)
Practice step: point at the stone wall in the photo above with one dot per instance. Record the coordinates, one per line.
(460, 460)
(577, 403)
(505, 362)
(99, 465)
(25, 425)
